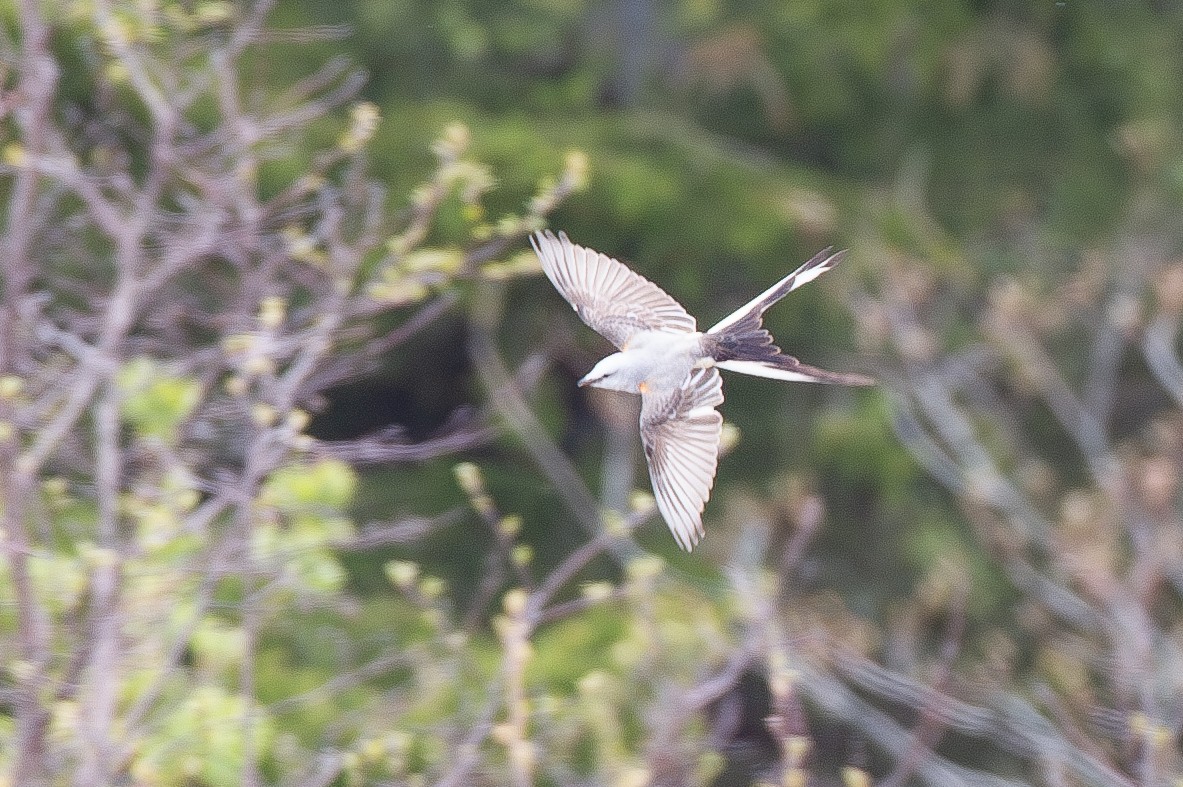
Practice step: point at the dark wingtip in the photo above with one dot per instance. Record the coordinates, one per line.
(823, 257)
(827, 257)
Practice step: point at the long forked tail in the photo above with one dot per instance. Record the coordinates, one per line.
(740, 343)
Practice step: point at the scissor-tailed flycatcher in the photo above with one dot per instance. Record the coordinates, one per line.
(673, 366)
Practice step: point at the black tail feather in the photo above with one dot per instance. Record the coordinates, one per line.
(742, 337)
(744, 340)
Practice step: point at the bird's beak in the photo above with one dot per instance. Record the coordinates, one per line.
(586, 381)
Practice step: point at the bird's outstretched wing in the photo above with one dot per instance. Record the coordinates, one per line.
(680, 430)
(613, 300)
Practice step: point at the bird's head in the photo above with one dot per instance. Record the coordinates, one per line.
(614, 373)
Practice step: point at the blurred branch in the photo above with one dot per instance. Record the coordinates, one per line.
(465, 429)
(36, 87)
(170, 303)
(390, 444)
(1081, 424)
(376, 535)
(886, 734)
(102, 642)
(928, 730)
(509, 402)
(351, 364)
(575, 562)
(328, 768)
(129, 55)
(1096, 566)
(467, 751)
(375, 668)
(1158, 346)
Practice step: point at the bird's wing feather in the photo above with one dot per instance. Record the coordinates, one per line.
(614, 300)
(680, 430)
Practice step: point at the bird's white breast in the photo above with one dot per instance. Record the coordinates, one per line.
(662, 359)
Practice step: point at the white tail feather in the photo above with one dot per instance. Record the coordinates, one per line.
(760, 369)
(808, 271)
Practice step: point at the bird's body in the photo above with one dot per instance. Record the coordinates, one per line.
(673, 366)
(654, 360)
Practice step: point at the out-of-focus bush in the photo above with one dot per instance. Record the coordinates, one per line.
(193, 255)
(200, 260)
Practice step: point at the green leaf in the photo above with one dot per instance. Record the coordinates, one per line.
(156, 403)
(202, 740)
(326, 484)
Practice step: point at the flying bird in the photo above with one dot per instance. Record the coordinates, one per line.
(674, 366)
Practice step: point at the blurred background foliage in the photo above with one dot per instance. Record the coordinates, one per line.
(973, 142)
(728, 141)
(987, 164)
